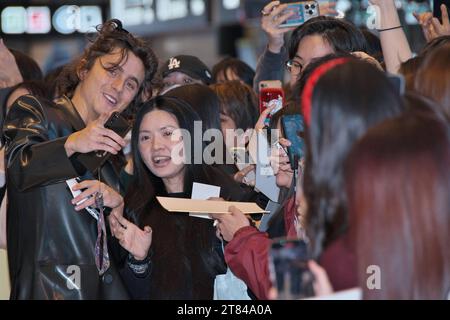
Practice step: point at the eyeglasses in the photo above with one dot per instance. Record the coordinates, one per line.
(294, 66)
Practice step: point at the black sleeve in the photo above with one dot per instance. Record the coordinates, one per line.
(138, 285)
(33, 159)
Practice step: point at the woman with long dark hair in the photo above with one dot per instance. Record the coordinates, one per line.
(185, 254)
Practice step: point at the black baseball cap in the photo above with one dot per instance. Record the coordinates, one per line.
(190, 65)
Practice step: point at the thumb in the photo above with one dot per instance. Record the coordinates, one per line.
(233, 210)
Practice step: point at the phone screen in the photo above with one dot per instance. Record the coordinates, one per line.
(293, 128)
(289, 269)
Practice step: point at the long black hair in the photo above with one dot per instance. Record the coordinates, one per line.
(346, 101)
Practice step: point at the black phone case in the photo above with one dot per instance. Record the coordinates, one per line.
(95, 159)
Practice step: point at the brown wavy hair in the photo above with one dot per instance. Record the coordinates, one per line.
(109, 37)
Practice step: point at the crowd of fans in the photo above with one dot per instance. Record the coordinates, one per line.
(369, 192)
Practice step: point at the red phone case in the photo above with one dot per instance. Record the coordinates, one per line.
(269, 97)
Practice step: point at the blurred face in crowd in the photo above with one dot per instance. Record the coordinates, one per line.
(178, 78)
(111, 84)
(310, 48)
(159, 142)
(227, 123)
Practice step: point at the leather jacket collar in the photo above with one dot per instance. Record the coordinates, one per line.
(72, 114)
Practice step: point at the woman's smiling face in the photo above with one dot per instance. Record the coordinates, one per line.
(161, 144)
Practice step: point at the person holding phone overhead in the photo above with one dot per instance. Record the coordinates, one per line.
(317, 37)
(56, 249)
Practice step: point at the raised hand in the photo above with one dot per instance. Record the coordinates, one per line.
(272, 17)
(95, 137)
(229, 223)
(260, 124)
(431, 26)
(328, 8)
(133, 239)
(279, 159)
(240, 175)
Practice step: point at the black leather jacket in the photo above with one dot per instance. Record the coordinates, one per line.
(48, 241)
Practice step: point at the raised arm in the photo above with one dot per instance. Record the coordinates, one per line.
(33, 158)
(395, 46)
(270, 64)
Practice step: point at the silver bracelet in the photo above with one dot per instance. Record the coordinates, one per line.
(138, 267)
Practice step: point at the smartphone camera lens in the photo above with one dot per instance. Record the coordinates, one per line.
(307, 6)
(313, 6)
(310, 12)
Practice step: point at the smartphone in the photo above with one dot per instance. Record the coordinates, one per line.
(271, 93)
(303, 11)
(95, 159)
(437, 8)
(293, 128)
(289, 272)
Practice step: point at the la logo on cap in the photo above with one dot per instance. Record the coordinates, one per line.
(173, 63)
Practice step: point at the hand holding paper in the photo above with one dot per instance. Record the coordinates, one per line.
(229, 224)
